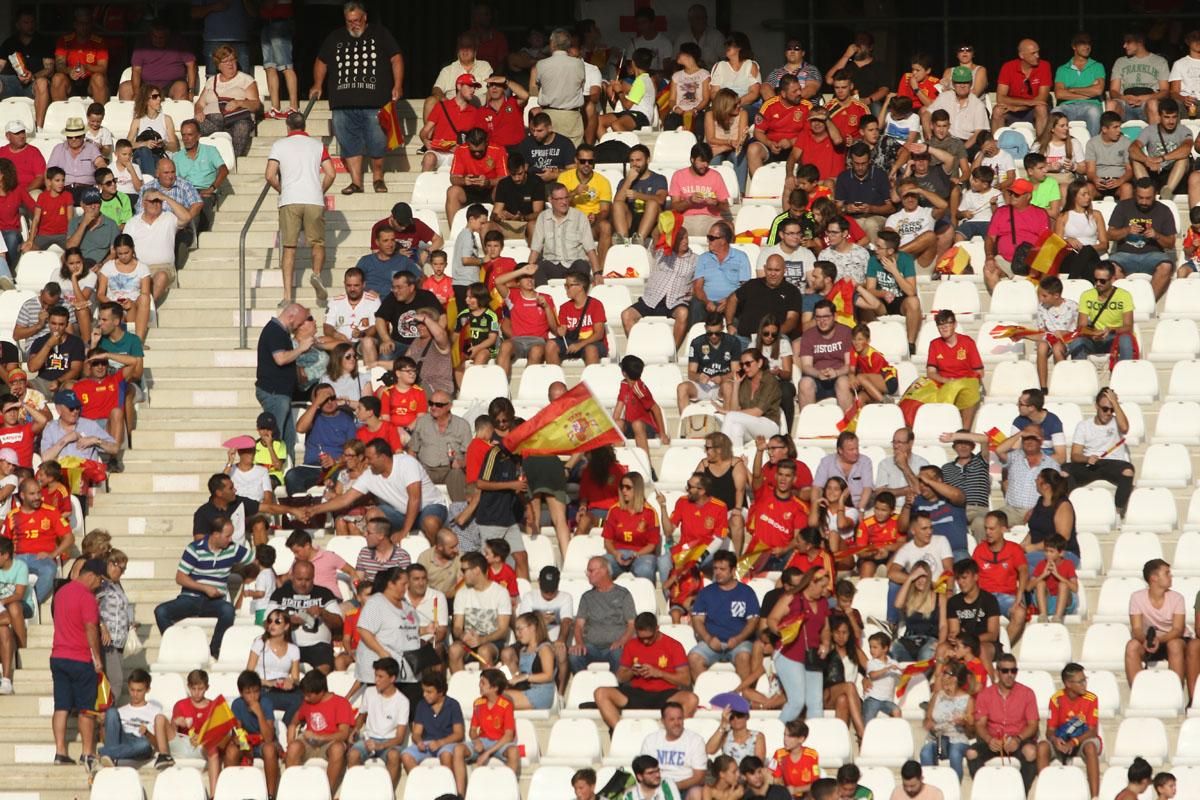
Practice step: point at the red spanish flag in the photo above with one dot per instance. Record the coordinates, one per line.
(850, 420)
(1048, 255)
(912, 670)
(393, 131)
(218, 725)
(574, 423)
(955, 261)
(995, 437)
(842, 297)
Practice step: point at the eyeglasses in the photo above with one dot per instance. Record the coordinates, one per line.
(1007, 670)
(584, 160)
(277, 621)
(407, 369)
(156, 96)
(72, 138)
(710, 447)
(712, 238)
(436, 404)
(793, 47)
(1100, 281)
(1105, 409)
(966, 49)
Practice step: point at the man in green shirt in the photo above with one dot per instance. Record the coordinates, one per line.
(113, 204)
(892, 279)
(1079, 85)
(1105, 315)
(202, 166)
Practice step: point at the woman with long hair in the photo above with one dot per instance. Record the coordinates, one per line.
(755, 402)
(724, 780)
(730, 482)
(778, 448)
(78, 281)
(923, 623)
(598, 481)
(734, 738)
(151, 132)
(1084, 230)
(799, 660)
(343, 375)
(126, 281)
(846, 661)
(13, 197)
(1053, 513)
(631, 531)
(276, 659)
(531, 663)
(1058, 146)
(834, 513)
(354, 464)
(777, 350)
(726, 130)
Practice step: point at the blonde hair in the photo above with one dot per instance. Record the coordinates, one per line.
(724, 107)
(96, 544)
(118, 557)
(223, 52)
(637, 500)
(722, 444)
(919, 601)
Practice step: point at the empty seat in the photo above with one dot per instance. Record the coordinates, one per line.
(37, 268)
(673, 149)
(428, 781)
(183, 648)
(1178, 421)
(235, 645)
(661, 380)
(627, 739)
(483, 383)
(995, 415)
(621, 259)
(249, 783)
(1187, 554)
(1103, 684)
(934, 419)
(871, 597)
(1184, 383)
(944, 778)
(817, 421)
(766, 185)
(678, 463)
(753, 216)
(1046, 645)
(961, 297)
(880, 780)
(581, 690)
(889, 338)
(993, 349)
(877, 422)
(1094, 509)
(1113, 603)
(1061, 782)
(831, 739)
(1165, 465)
(1135, 381)
(1137, 736)
(1182, 300)
(367, 782)
(1175, 340)
(1187, 744)
(1155, 693)
(645, 596)
(886, 742)
(604, 380)
(430, 189)
(185, 783)
(303, 783)
(550, 783)
(1014, 299)
(1073, 381)
(1151, 510)
(535, 382)
(1143, 295)
(653, 341)
(495, 781)
(117, 782)
(1010, 379)
(1131, 550)
(1104, 644)
(579, 550)
(997, 782)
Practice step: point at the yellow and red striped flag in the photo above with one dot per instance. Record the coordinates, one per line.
(842, 297)
(1049, 252)
(955, 261)
(389, 121)
(850, 421)
(913, 669)
(574, 423)
(789, 629)
(995, 437)
(218, 725)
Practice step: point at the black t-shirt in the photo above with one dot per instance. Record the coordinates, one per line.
(61, 358)
(755, 299)
(498, 507)
(359, 70)
(558, 152)
(774, 792)
(205, 514)
(769, 600)
(39, 50)
(518, 198)
(868, 79)
(400, 316)
(9, 354)
(270, 377)
(973, 617)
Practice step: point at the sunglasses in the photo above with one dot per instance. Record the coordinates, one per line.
(71, 138)
(747, 363)
(1007, 670)
(770, 334)
(713, 238)
(156, 96)
(438, 405)
(349, 357)
(585, 160)
(1105, 409)
(108, 182)
(793, 47)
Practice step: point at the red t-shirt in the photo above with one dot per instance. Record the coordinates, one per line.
(477, 451)
(1012, 77)
(848, 118)
(780, 121)
(495, 268)
(442, 288)
(828, 158)
(878, 534)
(638, 402)
(527, 316)
(929, 86)
(193, 715)
(30, 163)
(586, 323)
(774, 522)
(493, 165)
(75, 606)
(402, 406)
(803, 479)
(506, 577)
(805, 562)
(631, 530)
(406, 239)
(493, 721)
(998, 571)
(350, 626)
(700, 524)
(958, 361)
(56, 213)
(10, 208)
(20, 439)
(600, 495)
(505, 125)
(99, 397)
(325, 717)
(386, 432)
(36, 531)
(977, 668)
(1065, 568)
(663, 653)
(1086, 707)
(57, 497)
(802, 771)
(871, 362)
(79, 53)
(447, 119)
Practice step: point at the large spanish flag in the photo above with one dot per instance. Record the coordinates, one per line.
(574, 423)
(218, 725)
(1048, 255)
(841, 294)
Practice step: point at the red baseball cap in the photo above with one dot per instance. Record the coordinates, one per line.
(1021, 186)
(466, 79)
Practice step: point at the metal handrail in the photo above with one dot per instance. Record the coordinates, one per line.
(243, 309)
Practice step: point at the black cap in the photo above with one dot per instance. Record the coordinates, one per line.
(548, 579)
(96, 566)
(402, 213)
(267, 420)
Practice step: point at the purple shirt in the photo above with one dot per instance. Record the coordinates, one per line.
(162, 66)
(79, 169)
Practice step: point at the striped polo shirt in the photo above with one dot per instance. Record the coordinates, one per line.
(212, 569)
(974, 479)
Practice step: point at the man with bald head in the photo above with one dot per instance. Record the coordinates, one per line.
(439, 440)
(759, 297)
(441, 563)
(275, 380)
(1023, 89)
(315, 613)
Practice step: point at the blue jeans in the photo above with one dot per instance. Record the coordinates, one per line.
(1083, 347)
(12, 243)
(594, 654)
(1087, 112)
(187, 606)
(803, 688)
(12, 87)
(120, 745)
(280, 406)
(145, 159)
(957, 750)
(738, 160)
(642, 566)
(1145, 263)
(46, 570)
(872, 706)
(396, 516)
(358, 132)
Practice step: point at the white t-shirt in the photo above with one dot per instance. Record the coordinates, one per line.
(124, 285)
(343, 316)
(1097, 439)
(481, 610)
(393, 489)
(560, 607)
(15, 482)
(1002, 164)
(154, 242)
(932, 554)
(384, 714)
(660, 45)
(124, 177)
(642, 95)
(882, 688)
(901, 128)
(480, 70)
(271, 667)
(910, 224)
(300, 157)
(102, 138)
(134, 717)
(679, 758)
(432, 608)
(1187, 71)
(979, 204)
(265, 583)
(251, 484)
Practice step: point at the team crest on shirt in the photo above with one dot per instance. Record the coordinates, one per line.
(704, 349)
(853, 120)
(490, 162)
(798, 116)
(662, 662)
(710, 523)
(961, 355)
(45, 524)
(641, 526)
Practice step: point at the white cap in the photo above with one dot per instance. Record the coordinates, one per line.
(14, 126)
(9, 455)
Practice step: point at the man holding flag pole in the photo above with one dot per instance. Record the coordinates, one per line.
(1099, 452)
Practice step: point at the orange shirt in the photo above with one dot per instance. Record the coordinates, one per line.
(493, 721)
(36, 531)
(876, 533)
(929, 86)
(493, 165)
(774, 522)
(800, 771)
(1062, 708)
(631, 530)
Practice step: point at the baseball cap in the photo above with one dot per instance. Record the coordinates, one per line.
(89, 196)
(1021, 186)
(466, 79)
(68, 398)
(402, 213)
(547, 578)
(96, 566)
(961, 75)
(266, 420)
(9, 455)
(17, 372)
(14, 126)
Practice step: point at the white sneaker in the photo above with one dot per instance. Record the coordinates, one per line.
(6, 686)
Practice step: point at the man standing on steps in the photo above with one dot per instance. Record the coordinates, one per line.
(75, 662)
(276, 374)
(299, 168)
(363, 58)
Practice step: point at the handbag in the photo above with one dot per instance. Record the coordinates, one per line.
(133, 642)
(834, 671)
(813, 662)
(1022, 253)
(151, 135)
(230, 116)
(421, 659)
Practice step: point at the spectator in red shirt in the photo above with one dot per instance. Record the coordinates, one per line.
(919, 82)
(531, 315)
(80, 62)
(40, 537)
(493, 730)
(496, 552)
(775, 518)
(103, 394)
(448, 123)
(955, 364)
(652, 673)
(29, 161)
(477, 167)
(1004, 572)
(503, 112)
(631, 530)
(18, 434)
(1073, 727)
(636, 408)
(819, 145)
(598, 491)
(1006, 722)
(414, 239)
(778, 125)
(328, 719)
(75, 662)
(1023, 89)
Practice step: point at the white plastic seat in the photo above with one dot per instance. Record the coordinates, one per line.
(890, 339)
(463, 686)
(493, 782)
(831, 739)
(615, 299)
(429, 190)
(483, 383)
(581, 689)
(652, 341)
(1103, 684)
(752, 217)
(1182, 300)
(934, 419)
(1061, 782)
(1155, 693)
(886, 742)
(993, 349)
(184, 783)
(247, 783)
(117, 782)
(17, 109)
(627, 739)
(1143, 296)
(604, 381)
(1073, 381)
(997, 782)
(303, 783)
(367, 782)
(1131, 550)
(1187, 743)
(579, 550)
(877, 422)
(535, 382)
(36, 269)
(871, 598)
(1091, 559)
(1140, 736)
(1175, 340)
(1184, 383)
(678, 463)
(880, 780)
(1187, 554)
(1151, 510)
(817, 421)
(235, 645)
(1094, 509)
(1010, 379)
(944, 778)
(540, 552)
(731, 181)
(224, 144)
(645, 597)
(1070, 415)
(1135, 381)
(183, 648)
(1014, 299)
(635, 460)
(178, 110)
(682, 633)
(550, 783)
(1104, 644)
(118, 116)
(711, 683)
(661, 380)
(961, 297)
(59, 111)
(1113, 603)
(1165, 465)
(673, 149)
(1114, 779)
(995, 415)
(1177, 422)
(429, 781)
(1046, 645)
(766, 185)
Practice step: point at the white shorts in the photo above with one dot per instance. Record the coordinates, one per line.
(443, 159)
(707, 391)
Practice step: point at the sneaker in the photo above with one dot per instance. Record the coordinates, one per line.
(90, 764)
(105, 761)
(164, 761)
(314, 281)
(61, 760)
(6, 686)
(635, 240)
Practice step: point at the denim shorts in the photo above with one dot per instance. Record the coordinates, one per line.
(1144, 263)
(421, 755)
(358, 132)
(361, 747)
(13, 87)
(1005, 602)
(276, 40)
(711, 656)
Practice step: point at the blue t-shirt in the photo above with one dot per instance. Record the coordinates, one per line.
(1052, 431)
(948, 520)
(714, 360)
(441, 725)
(378, 274)
(329, 434)
(722, 278)
(16, 575)
(884, 280)
(650, 184)
(726, 611)
(247, 718)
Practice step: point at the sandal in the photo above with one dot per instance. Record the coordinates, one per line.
(380, 187)
(353, 188)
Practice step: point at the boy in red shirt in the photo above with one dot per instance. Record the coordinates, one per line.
(635, 409)
(187, 718)
(870, 372)
(1055, 581)
(478, 449)
(328, 720)
(439, 283)
(496, 552)
(954, 363)
(55, 494)
(495, 265)
(794, 765)
(528, 319)
(919, 82)
(53, 212)
(1073, 728)
(403, 402)
(880, 534)
(493, 729)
